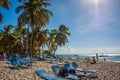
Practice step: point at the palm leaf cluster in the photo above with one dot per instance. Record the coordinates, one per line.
(33, 13)
(10, 40)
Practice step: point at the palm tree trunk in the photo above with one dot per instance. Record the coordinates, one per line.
(27, 39)
(31, 42)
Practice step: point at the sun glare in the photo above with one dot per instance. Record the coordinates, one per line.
(96, 2)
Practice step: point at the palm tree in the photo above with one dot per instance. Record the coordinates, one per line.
(23, 34)
(58, 38)
(34, 14)
(40, 38)
(52, 45)
(7, 38)
(20, 35)
(5, 4)
(61, 36)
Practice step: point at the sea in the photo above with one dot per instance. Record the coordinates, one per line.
(108, 58)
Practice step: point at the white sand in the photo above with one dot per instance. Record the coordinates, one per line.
(106, 70)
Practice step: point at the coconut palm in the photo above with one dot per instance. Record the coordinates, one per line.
(20, 35)
(61, 36)
(58, 38)
(40, 38)
(52, 45)
(34, 14)
(7, 38)
(5, 4)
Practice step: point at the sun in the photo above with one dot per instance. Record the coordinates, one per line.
(96, 2)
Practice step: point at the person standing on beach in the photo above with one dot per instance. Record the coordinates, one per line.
(93, 61)
(97, 58)
(104, 59)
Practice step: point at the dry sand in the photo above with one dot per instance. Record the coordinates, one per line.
(105, 70)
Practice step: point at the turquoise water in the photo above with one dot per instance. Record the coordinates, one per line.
(109, 58)
(113, 58)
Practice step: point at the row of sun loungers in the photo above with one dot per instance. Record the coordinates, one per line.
(19, 62)
(75, 75)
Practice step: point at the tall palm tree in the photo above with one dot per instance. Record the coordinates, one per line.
(5, 4)
(34, 14)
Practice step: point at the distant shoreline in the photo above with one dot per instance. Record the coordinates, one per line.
(108, 58)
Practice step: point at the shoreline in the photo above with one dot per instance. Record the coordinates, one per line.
(108, 58)
(112, 61)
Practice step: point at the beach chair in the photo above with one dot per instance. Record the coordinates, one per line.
(8, 58)
(17, 61)
(50, 59)
(43, 74)
(14, 62)
(28, 61)
(56, 69)
(72, 71)
(75, 65)
(68, 67)
(58, 63)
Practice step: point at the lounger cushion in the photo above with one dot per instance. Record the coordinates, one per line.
(43, 74)
(56, 69)
(87, 70)
(75, 65)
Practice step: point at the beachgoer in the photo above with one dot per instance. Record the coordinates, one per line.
(63, 72)
(93, 61)
(104, 59)
(97, 57)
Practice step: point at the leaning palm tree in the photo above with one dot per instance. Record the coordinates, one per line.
(33, 14)
(58, 38)
(61, 37)
(5, 4)
(62, 34)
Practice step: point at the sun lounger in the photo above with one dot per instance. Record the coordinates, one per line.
(56, 69)
(28, 61)
(75, 65)
(20, 62)
(50, 59)
(74, 72)
(43, 74)
(58, 63)
(14, 62)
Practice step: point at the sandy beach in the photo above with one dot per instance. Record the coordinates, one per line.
(105, 70)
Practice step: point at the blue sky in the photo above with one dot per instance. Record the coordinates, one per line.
(94, 24)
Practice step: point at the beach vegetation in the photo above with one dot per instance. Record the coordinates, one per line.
(30, 35)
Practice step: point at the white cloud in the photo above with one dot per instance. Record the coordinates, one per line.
(89, 51)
